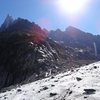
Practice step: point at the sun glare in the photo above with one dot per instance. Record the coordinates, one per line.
(72, 6)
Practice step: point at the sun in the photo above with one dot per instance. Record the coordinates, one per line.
(72, 6)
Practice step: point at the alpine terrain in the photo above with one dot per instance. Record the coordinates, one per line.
(37, 64)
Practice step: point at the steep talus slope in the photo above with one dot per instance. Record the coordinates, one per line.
(82, 84)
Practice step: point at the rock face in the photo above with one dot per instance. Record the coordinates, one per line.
(81, 42)
(27, 54)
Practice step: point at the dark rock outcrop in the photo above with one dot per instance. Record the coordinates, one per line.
(89, 91)
(27, 54)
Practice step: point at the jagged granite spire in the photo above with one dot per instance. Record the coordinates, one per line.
(8, 21)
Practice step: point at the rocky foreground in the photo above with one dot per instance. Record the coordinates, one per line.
(81, 84)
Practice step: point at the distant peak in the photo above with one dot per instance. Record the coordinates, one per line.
(58, 30)
(73, 29)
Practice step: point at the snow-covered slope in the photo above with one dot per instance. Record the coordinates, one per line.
(81, 84)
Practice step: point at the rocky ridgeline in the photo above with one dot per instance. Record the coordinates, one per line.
(27, 54)
(86, 45)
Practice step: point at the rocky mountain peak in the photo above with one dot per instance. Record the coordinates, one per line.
(7, 22)
(73, 31)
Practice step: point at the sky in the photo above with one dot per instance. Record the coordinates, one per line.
(48, 14)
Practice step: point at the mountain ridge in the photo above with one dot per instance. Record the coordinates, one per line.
(27, 54)
(77, 39)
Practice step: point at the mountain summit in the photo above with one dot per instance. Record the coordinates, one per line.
(8, 21)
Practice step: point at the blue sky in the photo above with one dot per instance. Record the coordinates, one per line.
(47, 15)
